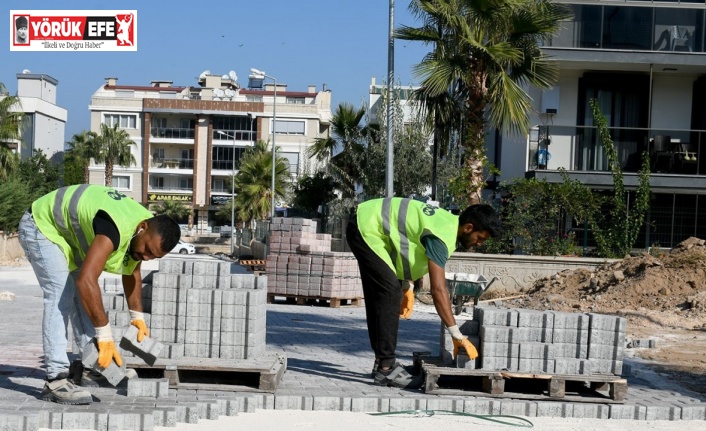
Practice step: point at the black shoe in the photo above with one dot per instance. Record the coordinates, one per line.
(398, 377)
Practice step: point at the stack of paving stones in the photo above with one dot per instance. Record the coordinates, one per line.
(551, 342)
(200, 310)
(301, 263)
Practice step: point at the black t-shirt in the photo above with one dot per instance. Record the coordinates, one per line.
(104, 225)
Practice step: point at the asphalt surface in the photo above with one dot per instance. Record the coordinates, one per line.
(328, 369)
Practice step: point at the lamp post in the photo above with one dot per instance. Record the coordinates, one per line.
(258, 74)
(232, 192)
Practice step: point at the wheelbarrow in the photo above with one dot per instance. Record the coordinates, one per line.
(462, 287)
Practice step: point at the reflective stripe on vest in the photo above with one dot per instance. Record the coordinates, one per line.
(402, 229)
(74, 226)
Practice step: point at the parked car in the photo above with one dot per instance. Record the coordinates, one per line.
(184, 248)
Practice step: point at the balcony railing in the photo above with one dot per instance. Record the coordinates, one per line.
(579, 148)
(240, 135)
(172, 132)
(173, 163)
(633, 28)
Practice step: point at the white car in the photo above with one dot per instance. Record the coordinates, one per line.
(184, 248)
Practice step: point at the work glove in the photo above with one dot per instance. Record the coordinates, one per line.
(137, 320)
(460, 340)
(107, 352)
(407, 303)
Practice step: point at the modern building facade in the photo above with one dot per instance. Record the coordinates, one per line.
(189, 139)
(645, 64)
(44, 122)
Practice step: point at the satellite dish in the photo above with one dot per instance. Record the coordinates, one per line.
(204, 73)
(232, 75)
(216, 98)
(230, 93)
(219, 92)
(26, 71)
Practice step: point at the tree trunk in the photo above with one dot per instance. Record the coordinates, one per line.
(86, 174)
(109, 173)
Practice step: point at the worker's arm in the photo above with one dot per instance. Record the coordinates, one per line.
(90, 294)
(132, 285)
(442, 303)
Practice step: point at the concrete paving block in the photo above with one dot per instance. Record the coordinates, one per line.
(152, 388)
(130, 421)
(604, 322)
(509, 363)
(18, 421)
(591, 411)
(495, 316)
(164, 417)
(535, 351)
(47, 418)
(84, 420)
(229, 407)
(482, 406)
(663, 413)
(603, 351)
(524, 334)
(570, 336)
(610, 338)
(518, 408)
(208, 409)
(606, 366)
(627, 411)
(555, 409)
(164, 281)
(497, 334)
(570, 350)
(528, 318)
(186, 412)
(498, 349)
(572, 366)
(695, 412)
(535, 365)
(171, 266)
(469, 327)
(366, 404)
(148, 350)
(439, 404)
(403, 404)
(464, 361)
(112, 373)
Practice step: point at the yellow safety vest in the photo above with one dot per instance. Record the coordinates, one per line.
(65, 216)
(393, 229)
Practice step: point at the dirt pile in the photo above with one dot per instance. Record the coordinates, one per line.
(669, 289)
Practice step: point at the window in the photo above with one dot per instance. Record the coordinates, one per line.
(250, 98)
(158, 153)
(157, 182)
(186, 183)
(222, 157)
(295, 100)
(285, 127)
(123, 121)
(121, 182)
(160, 122)
(293, 159)
(218, 185)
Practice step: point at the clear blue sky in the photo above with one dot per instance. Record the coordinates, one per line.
(340, 43)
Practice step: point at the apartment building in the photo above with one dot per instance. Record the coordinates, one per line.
(189, 139)
(645, 63)
(44, 122)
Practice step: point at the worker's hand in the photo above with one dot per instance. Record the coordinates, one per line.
(463, 342)
(407, 303)
(142, 330)
(107, 352)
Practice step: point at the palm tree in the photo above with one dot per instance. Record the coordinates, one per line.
(347, 135)
(253, 182)
(84, 146)
(485, 52)
(10, 122)
(173, 209)
(114, 148)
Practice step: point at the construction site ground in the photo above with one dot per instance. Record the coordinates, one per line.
(329, 359)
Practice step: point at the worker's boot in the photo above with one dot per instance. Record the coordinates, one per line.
(61, 390)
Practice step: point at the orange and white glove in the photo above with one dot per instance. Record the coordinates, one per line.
(107, 351)
(137, 319)
(407, 303)
(460, 340)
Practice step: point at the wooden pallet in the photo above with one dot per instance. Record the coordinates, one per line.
(315, 300)
(250, 375)
(445, 380)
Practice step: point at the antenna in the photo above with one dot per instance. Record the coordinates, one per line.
(26, 71)
(232, 75)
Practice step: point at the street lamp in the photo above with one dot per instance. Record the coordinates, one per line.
(260, 75)
(232, 192)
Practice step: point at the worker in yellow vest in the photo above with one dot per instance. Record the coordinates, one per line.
(70, 236)
(397, 239)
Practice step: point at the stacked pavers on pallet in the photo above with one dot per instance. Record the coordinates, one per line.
(196, 309)
(301, 263)
(548, 342)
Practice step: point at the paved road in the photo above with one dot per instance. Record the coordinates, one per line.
(329, 362)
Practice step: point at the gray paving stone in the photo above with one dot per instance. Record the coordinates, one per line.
(695, 412)
(555, 409)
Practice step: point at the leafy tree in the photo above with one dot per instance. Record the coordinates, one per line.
(484, 53)
(73, 170)
(83, 147)
(174, 209)
(253, 182)
(616, 234)
(312, 191)
(39, 173)
(114, 148)
(10, 123)
(15, 197)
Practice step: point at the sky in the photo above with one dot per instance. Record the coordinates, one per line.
(339, 43)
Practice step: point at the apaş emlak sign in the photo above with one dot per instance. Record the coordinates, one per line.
(73, 30)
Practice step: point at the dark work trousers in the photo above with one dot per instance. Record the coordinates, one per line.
(383, 297)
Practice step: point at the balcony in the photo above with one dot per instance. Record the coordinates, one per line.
(172, 163)
(242, 137)
(172, 133)
(632, 28)
(677, 157)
